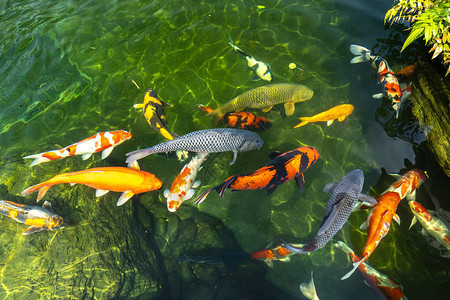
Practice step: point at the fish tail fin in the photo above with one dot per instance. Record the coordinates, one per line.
(42, 187)
(204, 108)
(309, 289)
(38, 158)
(137, 154)
(220, 189)
(355, 266)
(361, 53)
(217, 115)
(291, 248)
(304, 121)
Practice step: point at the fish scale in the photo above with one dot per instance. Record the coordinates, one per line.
(206, 141)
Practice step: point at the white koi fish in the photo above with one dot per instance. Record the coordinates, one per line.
(261, 69)
(184, 184)
(432, 225)
(102, 141)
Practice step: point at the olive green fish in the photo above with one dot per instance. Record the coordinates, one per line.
(265, 97)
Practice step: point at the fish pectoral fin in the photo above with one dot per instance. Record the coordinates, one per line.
(329, 187)
(196, 184)
(369, 201)
(411, 196)
(139, 105)
(99, 192)
(72, 183)
(124, 197)
(235, 153)
(47, 205)
(134, 165)
(255, 78)
(166, 193)
(424, 232)
(378, 96)
(340, 119)
(266, 109)
(285, 259)
(107, 152)
(86, 156)
(271, 189)
(395, 175)
(413, 221)
(300, 181)
(269, 263)
(189, 194)
(396, 219)
(274, 154)
(289, 108)
(329, 122)
(32, 229)
(364, 225)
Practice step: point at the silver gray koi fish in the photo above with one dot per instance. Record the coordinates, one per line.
(344, 196)
(205, 141)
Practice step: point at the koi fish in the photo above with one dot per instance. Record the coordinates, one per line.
(206, 141)
(379, 220)
(116, 179)
(309, 289)
(282, 168)
(38, 218)
(432, 225)
(387, 79)
(102, 141)
(261, 69)
(379, 282)
(339, 112)
(241, 120)
(184, 184)
(153, 109)
(271, 254)
(406, 72)
(265, 97)
(343, 198)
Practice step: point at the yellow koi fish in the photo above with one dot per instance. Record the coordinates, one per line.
(153, 109)
(38, 218)
(339, 112)
(265, 97)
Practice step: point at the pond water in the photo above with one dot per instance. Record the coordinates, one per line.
(74, 68)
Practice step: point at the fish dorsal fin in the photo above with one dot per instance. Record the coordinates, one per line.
(275, 154)
(289, 108)
(47, 205)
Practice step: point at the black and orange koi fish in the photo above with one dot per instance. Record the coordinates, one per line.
(241, 120)
(282, 168)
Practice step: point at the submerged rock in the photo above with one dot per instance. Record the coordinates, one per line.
(431, 106)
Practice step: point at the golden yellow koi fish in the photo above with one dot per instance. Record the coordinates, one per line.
(339, 112)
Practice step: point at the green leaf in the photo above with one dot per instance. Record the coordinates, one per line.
(412, 37)
(428, 33)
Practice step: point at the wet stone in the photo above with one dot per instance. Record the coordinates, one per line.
(197, 291)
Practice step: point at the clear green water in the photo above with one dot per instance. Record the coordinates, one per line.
(67, 71)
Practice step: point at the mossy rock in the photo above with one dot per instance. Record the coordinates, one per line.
(431, 105)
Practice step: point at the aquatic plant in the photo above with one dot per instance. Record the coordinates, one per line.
(428, 19)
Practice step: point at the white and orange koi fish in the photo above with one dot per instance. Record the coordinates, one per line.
(379, 220)
(432, 225)
(102, 141)
(184, 184)
(382, 284)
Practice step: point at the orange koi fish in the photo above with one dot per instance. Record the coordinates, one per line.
(379, 220)
(102, 141)
(183, 186)
(382, 284)
(116, 179)
(38, 218)
(339, 112)
(282, 168)
(432, 225)
(406, 72)
(271, 254)
(241, 120)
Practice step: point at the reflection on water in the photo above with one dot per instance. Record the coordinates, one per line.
(67, 72)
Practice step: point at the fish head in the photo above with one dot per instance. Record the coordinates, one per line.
(151, 182)
(121, 136)
(150, 95)
(356, 177)
(253, 141)
(302, 93)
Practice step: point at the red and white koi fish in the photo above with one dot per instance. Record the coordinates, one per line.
(184, 184)
(379, 220)
(383, 285)
(386, 77)
(102, 141)
(432, 225)
(116, 179)
(271, 254)
(36, 217)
